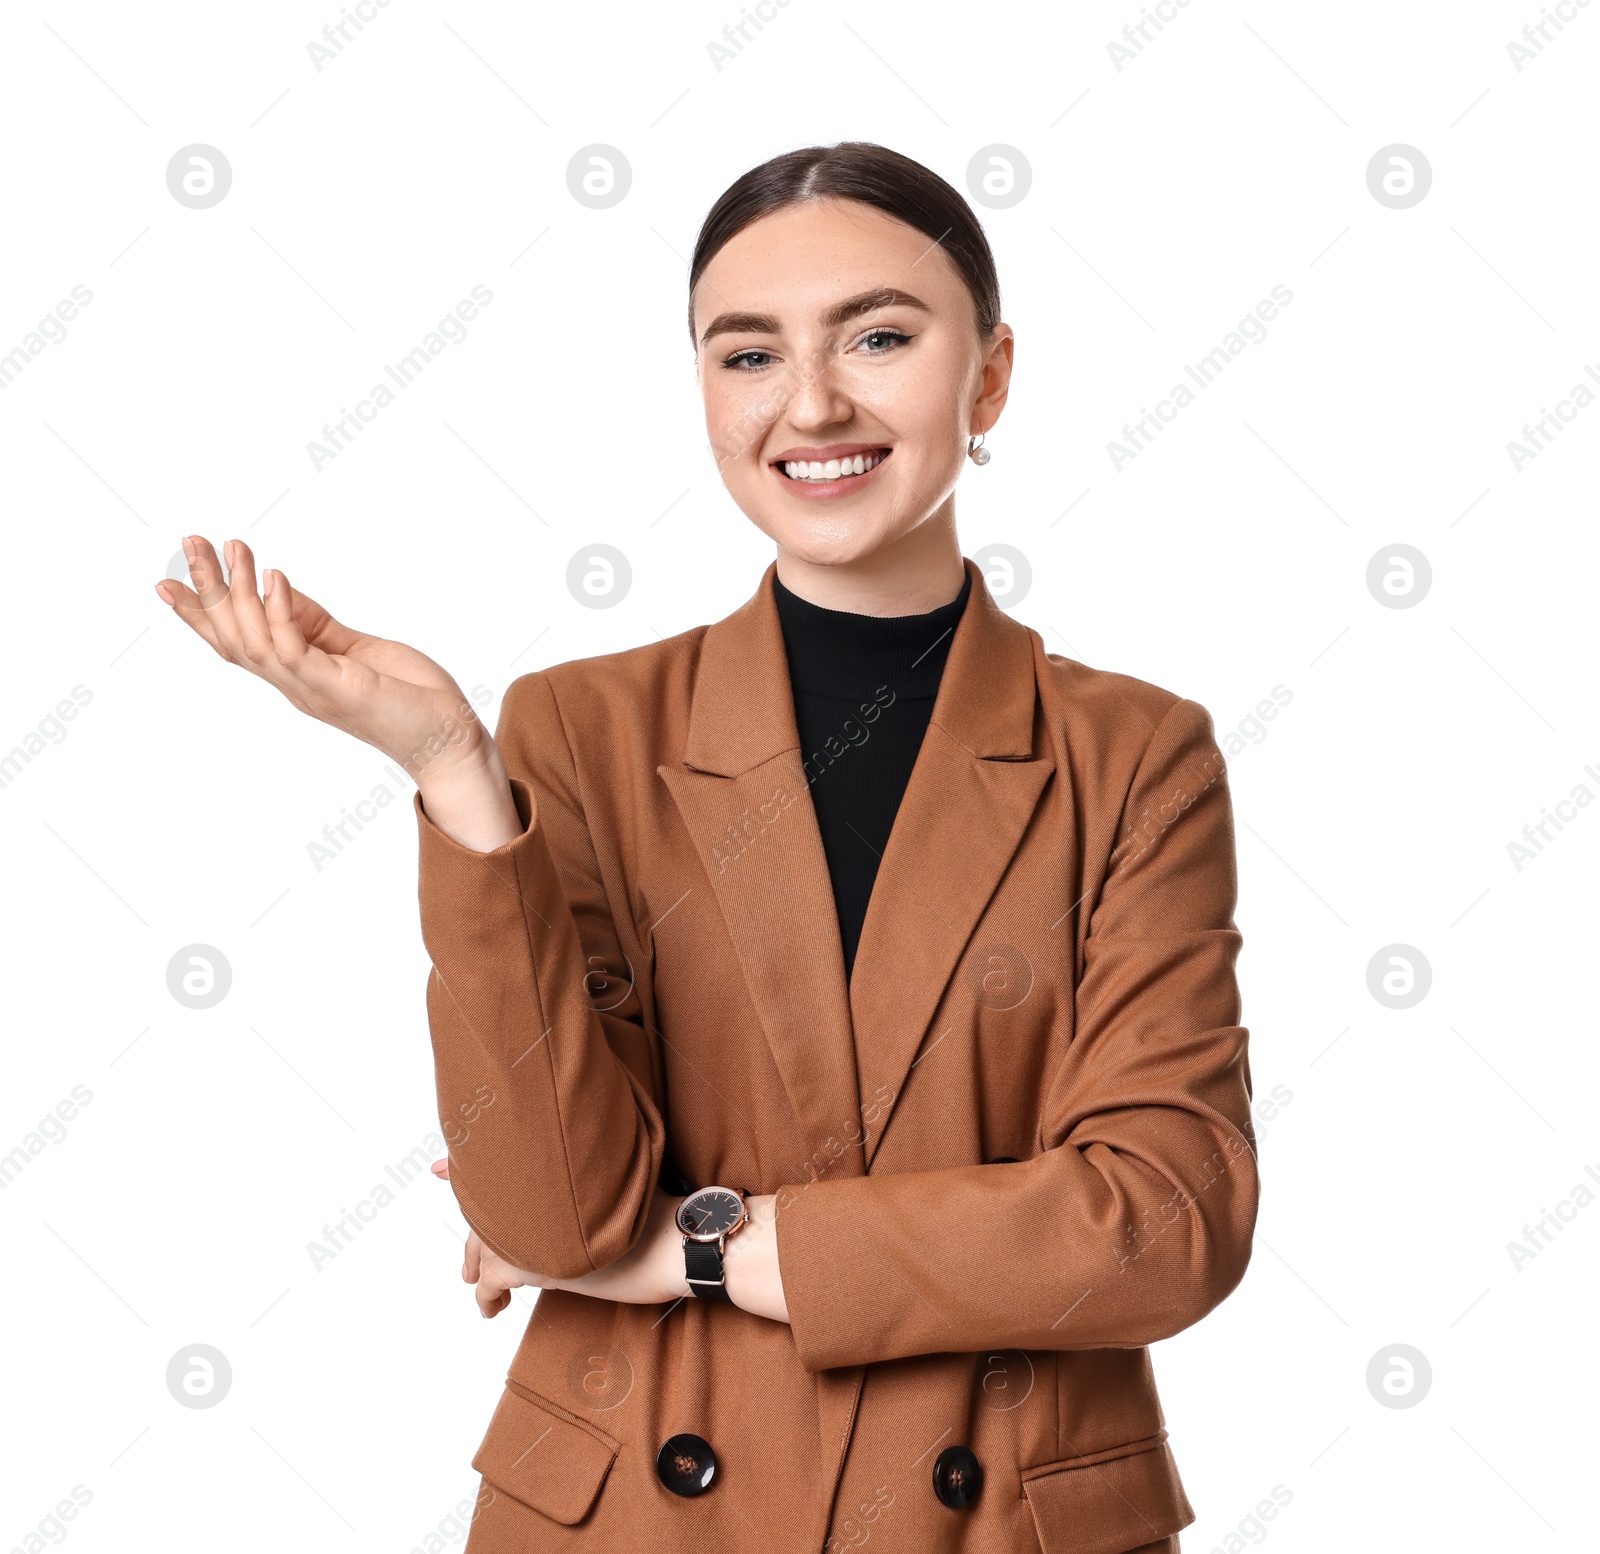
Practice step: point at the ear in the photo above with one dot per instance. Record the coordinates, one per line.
(999, 351)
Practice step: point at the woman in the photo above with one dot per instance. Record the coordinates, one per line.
(852, 1225)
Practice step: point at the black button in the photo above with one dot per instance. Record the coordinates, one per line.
(957, 1476)
(686, 1464)
(1005, 1160)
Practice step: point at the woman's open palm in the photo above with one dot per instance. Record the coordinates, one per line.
(381, 691)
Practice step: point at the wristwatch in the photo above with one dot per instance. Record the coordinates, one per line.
(707, 1218)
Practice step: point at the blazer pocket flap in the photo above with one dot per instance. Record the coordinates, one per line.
(544, 1458)
(1109, 1505)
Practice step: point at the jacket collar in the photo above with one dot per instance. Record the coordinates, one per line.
(985, 700)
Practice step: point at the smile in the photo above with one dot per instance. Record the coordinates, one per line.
(836, 471)
(832, 469)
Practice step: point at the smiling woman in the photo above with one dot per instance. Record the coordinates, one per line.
(895, 335)
(815, 1092)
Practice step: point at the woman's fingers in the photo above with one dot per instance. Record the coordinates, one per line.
(296, 638)
(255, 636)
(306, 665)
(215, 597)
(318, 627)
(494, 1277)
(493, 1281)
(188, 608)
(267, 636)
(191, 607)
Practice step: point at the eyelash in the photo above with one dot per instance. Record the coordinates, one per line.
(735, 362)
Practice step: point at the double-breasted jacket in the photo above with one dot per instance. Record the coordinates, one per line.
(1008, 1153)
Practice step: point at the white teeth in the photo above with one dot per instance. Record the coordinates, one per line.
(831, 469)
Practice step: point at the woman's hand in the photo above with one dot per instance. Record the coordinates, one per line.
(382, 692)
(649, 1275)
(652, 1274)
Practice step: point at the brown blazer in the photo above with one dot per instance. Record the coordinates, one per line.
(648, 983)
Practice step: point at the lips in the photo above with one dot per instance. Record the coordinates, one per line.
(834, 469)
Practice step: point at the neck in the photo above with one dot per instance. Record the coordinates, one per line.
(910, 576)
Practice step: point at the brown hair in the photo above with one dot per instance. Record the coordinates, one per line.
(874, 175)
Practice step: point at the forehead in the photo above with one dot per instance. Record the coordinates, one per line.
(803, 257)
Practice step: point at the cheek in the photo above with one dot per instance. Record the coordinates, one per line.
(737, 416)
(924, 402)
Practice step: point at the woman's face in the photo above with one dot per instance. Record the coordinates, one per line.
(830, 336)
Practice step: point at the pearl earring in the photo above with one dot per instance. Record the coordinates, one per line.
(976, 450)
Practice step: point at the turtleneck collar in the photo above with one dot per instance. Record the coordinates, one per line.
(840, 653)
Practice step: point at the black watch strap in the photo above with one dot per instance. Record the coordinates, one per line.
(702, 1262)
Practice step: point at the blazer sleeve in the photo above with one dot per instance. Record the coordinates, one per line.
(544, 1090)
(1136, 1218)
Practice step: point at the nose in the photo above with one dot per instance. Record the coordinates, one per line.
(817, 391)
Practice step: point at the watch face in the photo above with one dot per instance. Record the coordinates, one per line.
(709, 1213)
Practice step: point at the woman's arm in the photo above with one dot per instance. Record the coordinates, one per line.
(546, 1103)
(651, 1273)
(554, 1133)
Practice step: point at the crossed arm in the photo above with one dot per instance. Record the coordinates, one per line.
(652, 1273)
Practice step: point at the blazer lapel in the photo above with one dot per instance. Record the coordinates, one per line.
(743, 796)
(973, 790)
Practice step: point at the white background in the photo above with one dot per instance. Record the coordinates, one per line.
(1167, 198)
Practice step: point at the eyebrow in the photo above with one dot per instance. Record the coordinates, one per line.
(840, 313)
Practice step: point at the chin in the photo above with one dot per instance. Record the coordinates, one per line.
(830, 541)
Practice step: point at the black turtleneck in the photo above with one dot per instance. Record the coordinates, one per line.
(864, 687)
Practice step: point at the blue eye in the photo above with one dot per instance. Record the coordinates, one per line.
(754, 358)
